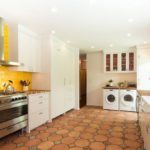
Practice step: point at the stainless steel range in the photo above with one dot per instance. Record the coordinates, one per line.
(13, 113)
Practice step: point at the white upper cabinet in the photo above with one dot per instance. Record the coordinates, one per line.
(120, 62)
(143, 67)
(29, 49)
(25, 47)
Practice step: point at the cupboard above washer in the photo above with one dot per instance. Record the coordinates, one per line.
(124, 62)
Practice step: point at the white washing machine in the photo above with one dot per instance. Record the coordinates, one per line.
(110, 99)
(128, 100)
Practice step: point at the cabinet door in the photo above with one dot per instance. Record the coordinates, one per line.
(57, 78)
(107, 62)
(143, 68)
(123, 61)
(115, 62)
(131, 61)
(29, 47)
(147, 134)
(69, 98)
(39, 109)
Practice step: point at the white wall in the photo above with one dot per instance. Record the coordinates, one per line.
(96, 78)
(41, 81)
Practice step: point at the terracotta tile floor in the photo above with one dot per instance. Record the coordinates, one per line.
(88, 129)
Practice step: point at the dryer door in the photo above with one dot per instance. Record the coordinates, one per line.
(110, 99)
(127, 99)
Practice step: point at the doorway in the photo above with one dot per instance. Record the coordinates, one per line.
(82, 80)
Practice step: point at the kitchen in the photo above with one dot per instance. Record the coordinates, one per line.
(40, 50)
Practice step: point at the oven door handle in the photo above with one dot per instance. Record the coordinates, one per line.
(12, 105)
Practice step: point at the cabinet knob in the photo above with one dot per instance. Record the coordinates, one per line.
(40, 102)
(40, 113)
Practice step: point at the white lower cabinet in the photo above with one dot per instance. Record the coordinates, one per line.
(144, 122)
(38, 110)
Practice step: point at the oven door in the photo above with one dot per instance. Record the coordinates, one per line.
(13, 113)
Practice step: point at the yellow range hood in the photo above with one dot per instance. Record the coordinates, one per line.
(4, 46)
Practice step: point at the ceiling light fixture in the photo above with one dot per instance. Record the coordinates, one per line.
(145, 42)
(129, 34)
(111, 45)
(130, 20)
(53, 32)
(68, 41)
(54, 10)
(91, 2)
(92, 47)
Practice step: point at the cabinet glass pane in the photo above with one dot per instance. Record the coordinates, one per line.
(115, 62)
(107, 62)
(131, 61)
(123, 62)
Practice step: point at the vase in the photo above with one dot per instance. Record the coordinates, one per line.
(25, 88)
(111, 84)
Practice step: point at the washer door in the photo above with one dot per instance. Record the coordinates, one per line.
(127, 99)
(110, 99)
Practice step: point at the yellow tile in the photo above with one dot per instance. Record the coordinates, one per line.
(6, 74)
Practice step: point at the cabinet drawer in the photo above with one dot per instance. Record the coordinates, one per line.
(38, 118)
(38, 101)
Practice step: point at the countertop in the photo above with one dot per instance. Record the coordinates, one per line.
(144, 92)
(121, 88)
(36, 91)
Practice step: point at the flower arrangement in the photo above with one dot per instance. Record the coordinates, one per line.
(25, 84)
(111, 82)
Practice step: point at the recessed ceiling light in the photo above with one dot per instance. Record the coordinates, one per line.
(92, 47)
(128, 34)
(130, 20)
(91, 2)
(145, 42)
(68, 41)
(53, 32)
(54, 10)
(111, 45)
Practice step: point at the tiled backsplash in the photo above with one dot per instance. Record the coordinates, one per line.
(6, 74)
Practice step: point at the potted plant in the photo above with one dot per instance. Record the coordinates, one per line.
(111, 82)
(25, 84)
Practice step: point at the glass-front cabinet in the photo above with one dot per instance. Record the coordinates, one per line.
(123, 61)
(131, 61)
(115, 62)
(120, 62)
(108, 63)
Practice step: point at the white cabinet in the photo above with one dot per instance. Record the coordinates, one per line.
(38, 110)
(143, 67)
(69, 77)
(29, 47)
(115, 62)
(25, 47)
(63, 72)
(144, 122)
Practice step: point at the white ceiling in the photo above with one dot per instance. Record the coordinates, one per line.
(103, 24)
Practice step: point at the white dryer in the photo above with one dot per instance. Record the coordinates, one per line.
(110, 99)
(128, 100)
